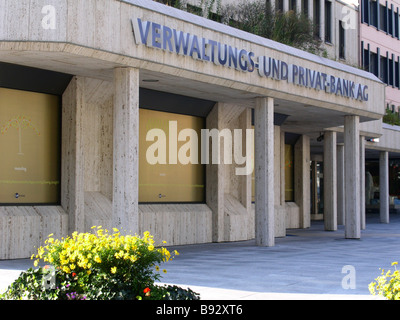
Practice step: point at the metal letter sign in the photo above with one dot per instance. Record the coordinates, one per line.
(164, 38)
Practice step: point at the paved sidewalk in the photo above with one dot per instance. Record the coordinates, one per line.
(307, 264)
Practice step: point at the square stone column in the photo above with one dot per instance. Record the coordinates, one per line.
(125, 214)
(264, 172)
(340, 184)
(298, 6)
(72, 154)
(285, 5)
(384, 186)
(215, 179)
(352, 176)
(311, 10)
(302, 190)
(330, 181)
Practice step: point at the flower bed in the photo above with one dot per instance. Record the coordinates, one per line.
(97, 266)
(387, 285)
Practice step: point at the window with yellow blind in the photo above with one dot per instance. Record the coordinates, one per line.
(30, 135)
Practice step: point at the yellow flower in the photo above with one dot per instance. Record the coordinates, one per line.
(66, 269)
(165, 271)
(157, 268)
(151, 248)
(97, 259)
(394, 263)
(113, 270)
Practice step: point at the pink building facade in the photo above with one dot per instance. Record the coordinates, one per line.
(380, 45)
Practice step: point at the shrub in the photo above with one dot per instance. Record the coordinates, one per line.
(387, 285)
(98, 266)
(391, 118)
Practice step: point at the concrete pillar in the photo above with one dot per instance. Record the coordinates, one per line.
(272, 4)
(245, 180)
(322, 20)
(330, 176)
(279, 206)
(352, 176)
(215, 177)
(285, 5)
(72, 164)
(298, 6)
(311, 9)
(384, 186)
(125, 210)
(362, 183)
(264, 172)
(340, 184)
(302, 179)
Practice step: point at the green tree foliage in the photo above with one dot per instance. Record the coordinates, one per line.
(257, 17)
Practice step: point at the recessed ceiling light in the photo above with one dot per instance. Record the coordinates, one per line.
(150, 80)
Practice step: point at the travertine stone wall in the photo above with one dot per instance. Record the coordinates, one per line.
(24, 229)
(176, 223)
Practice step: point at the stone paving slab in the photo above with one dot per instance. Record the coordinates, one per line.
(307, 264)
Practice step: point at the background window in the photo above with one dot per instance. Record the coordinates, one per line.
(289, 172)
(169, 182)
(30, 144)
(382, 18)
(342, 43)
(316, 16)
(384, 69)
(328, 20)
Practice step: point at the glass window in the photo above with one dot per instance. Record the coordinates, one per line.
(289, 175)
(373, 18)
(383, 70)
(317, 18)
(305, 7)
(391, 74)
(328, 20)
(289, 172)
(374, 63)
(394, 180)
(170, 170)
(364, 12)
(366, 59)
(382, 18)
(30, 144)
(342, 43)
(292, 5)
